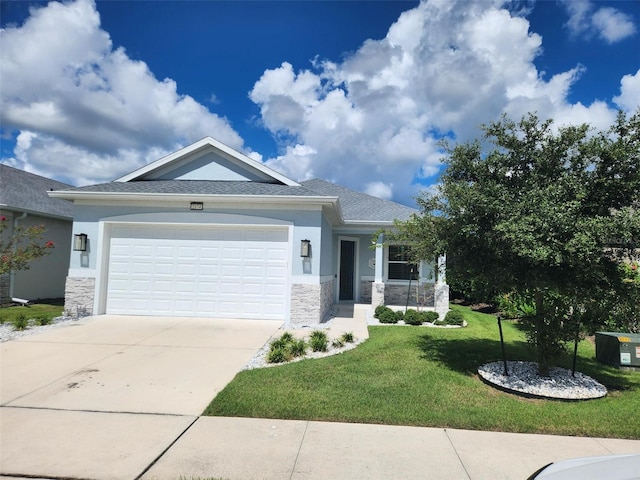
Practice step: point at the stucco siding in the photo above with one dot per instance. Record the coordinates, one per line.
(45, 277)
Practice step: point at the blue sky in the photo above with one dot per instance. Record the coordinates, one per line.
(355, 92)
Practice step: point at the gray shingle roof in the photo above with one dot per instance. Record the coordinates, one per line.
(23, 191)
(358, 206)
(196, 187)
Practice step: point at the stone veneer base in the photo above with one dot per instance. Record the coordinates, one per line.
(311, 304)
(78, 296)
(4, 289)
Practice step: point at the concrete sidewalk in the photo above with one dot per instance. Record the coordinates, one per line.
(260, 449)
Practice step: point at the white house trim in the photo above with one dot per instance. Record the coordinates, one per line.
(204, 144)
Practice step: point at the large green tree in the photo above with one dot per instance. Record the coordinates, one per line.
(547, 213)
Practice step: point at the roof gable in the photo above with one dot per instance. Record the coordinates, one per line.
(27, 192)
(209, 160)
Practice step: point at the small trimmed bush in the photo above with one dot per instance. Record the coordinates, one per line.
(453, 317)
(399, 314)
(379, 310)
(20, 322)
(388, 316)
(337, 343)
(413, 317)
(430, 317)
(318, 341)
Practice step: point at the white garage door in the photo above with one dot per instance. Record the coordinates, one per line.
(187, 271)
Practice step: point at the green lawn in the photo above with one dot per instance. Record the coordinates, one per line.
(38, 310)
(427, 377)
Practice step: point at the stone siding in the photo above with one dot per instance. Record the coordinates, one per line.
(365, 291)
(4, 289)
(311, 304)
(377, 294)
(441, 299)
(420, 294)
(78, 296)
(327, 299)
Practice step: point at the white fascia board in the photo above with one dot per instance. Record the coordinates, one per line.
(201, 144)
(330, 203)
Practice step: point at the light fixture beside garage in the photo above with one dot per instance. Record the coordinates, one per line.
(80, 242)
(196, 206)
(305, 248)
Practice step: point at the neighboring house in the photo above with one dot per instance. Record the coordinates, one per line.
(207, 231)
(24, 201)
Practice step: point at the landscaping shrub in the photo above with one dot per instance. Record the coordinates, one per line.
(287, 337)
(388, 316)
(347, 337)
(278, 343)
(413, 317)
(430, 317)
(278, 354)
(399, 316)
(337, 343)
(297, 348)
(379, 310)
(318, 341)
(20, 322)
(453, 317)
(43, 320)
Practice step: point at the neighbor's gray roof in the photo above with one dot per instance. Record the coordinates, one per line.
(356, 206)
(23, 191)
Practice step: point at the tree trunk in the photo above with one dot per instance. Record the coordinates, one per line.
(542, 351)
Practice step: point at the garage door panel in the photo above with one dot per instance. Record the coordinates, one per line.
(232, 272)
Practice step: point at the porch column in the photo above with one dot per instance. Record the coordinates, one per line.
(441, 289)
(377, 289)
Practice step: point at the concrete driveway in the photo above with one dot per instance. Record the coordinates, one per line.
(114, 391)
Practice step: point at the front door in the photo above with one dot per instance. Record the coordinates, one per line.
(347, 269)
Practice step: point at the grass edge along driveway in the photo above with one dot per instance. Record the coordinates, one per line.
(427, 377)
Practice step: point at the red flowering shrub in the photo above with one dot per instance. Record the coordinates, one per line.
(22, 247)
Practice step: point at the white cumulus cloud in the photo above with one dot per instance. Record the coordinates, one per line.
(608, 23)
(373, 120)
(629, 98)
(84, 110)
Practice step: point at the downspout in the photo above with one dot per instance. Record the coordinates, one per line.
(12, 274)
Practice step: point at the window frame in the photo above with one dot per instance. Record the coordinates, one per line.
(403, 261)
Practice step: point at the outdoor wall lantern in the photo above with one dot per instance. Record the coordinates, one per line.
(305, 248)
(80, 242)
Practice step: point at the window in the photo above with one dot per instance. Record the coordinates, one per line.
(398, 265)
